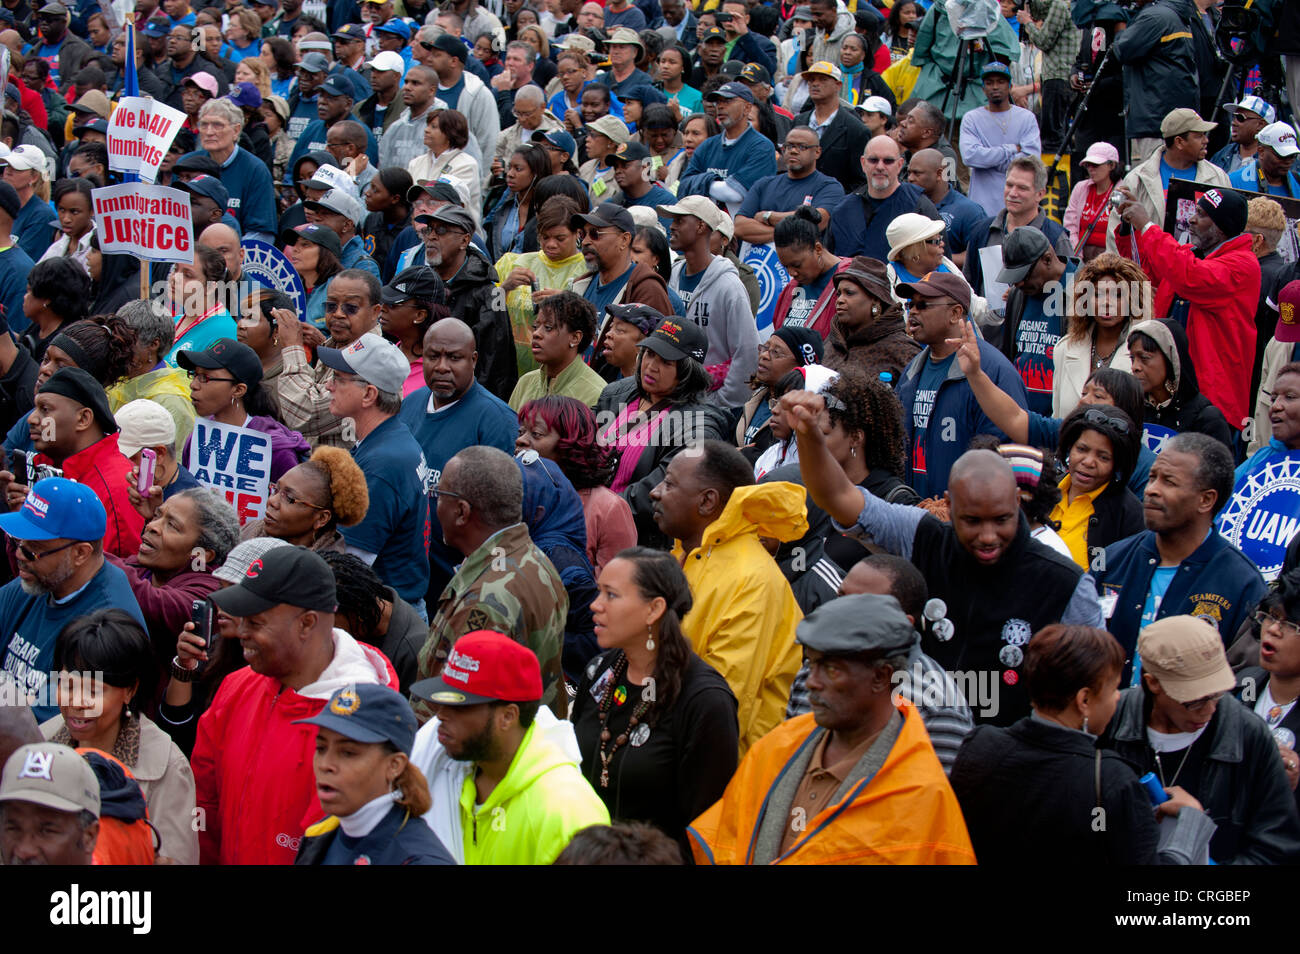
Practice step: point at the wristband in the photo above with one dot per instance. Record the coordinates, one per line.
(180, 673)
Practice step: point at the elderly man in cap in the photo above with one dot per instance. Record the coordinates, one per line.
(1212, 287)
(1270, 171)
(283, 616)
(49, 807)
(246, 178)
(623, 48)
(63, 50)
(713, 297)
(367, 388)
(1182, 156)
(856, 781)
(503, 772)
(994, 134)
(1183, 725)
(58, 530)
(72, 428)
(341, 210)
(465, 92)
(471, 293)
(840, 132)
(776, 197)
(1248, 117)
(726, 166)
(313, 69)
(1041, 285)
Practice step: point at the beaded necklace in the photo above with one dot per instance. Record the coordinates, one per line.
(606, 704)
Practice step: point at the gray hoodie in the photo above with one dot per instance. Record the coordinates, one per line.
(720, 305)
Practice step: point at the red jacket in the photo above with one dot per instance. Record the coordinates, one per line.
(823, 312)
(255, 787)
(103, 469)
(1223, 291)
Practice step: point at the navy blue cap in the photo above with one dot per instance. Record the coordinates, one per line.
(334, 87)
(245, 93)
(562, 141)
(95, 125)
(157, 28)
(996, 69)
(57, 509)
(350, 31)
(368, 713)
(209, 186)
(733, 91)
(395, 26)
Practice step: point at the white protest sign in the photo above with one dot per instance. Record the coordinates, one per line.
(234, 460)
(147, 221)
(995, 292)
(139, 133)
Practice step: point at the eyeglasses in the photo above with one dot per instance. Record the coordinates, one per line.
(277, 490)
(31, 556)
(1095, 416)
(441, 229)
(799, 146)
(1202, 702)
(877, 161)
(1263, 618)
(204, 378)
(447, 493)
(351, 309)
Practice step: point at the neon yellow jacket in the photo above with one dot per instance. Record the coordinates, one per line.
(533, 812)
(743, 619)
(167, 386)
(519, 302)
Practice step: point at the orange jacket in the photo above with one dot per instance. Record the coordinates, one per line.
(906, 814)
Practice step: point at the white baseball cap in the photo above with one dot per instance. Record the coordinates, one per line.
(698, 206)
(388, 62)
(26, 157)
(1280, 137)
(332, 177)
(1256, 105)
(143, 423)
(875, 104)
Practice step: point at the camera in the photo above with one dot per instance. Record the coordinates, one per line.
(1117, 200)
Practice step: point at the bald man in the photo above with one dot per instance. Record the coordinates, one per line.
(999, 586)
(934, 174)
(858, 223)
(226, 241)
(453, 411)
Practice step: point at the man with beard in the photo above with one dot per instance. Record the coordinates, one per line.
(505, 788)
(58, 527)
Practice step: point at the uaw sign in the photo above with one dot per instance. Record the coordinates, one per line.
(1154, 436)
(267, 265)
(148, 221)
(234, 460)
(1264, 512)
(772, 277)
(139, 133)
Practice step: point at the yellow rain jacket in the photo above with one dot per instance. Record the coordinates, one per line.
(743, 619)
(906, 814)
(167, 386)
(519, 302)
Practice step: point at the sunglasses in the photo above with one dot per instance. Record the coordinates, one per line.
(31, 556)
(1102, 419)
(350, 309)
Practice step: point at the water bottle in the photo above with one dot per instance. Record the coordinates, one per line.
(1155, 791)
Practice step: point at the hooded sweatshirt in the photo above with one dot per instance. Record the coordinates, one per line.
(1188, 409)
(743, 619)
(253, 763)
(720, 305)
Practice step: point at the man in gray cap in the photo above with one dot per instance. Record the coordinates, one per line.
(341, 212)
(855, 781)
(49, 807)
(1036, 320)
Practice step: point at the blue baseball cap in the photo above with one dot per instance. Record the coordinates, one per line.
(562, 141)
(57, 509)
(350, 31)
(337, 86)
(157, 28)
(996, 69)
(209, 186)
(368, 713)
(246, 94)
(396, 26)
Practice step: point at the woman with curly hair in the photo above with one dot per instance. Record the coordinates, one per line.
(1111, 294)
(311, 501)
(863, 424)
(563, 429)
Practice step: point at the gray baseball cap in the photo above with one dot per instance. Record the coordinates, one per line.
(53, 775)
(372, 359)
(337, 200)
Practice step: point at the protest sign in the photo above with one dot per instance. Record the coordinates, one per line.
(234, 460)
(772, 277)
(1154, 436)
(1180, 206)
(1263, 513)
(148, 221)
(268, 266)
(139, 133)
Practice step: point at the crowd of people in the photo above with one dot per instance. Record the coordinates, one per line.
(841, 404)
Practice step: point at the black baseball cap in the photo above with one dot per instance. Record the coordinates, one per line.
(321, 235)
(606, 215)
(755, 73)
(9, 200)
(350, 31)
(334, 87)
(419, 282)
(228, 354)
(294, 576)
(630, 152)
(677, 338)
(438, 189)
(452, 46)
(714, 33)
(644, 318)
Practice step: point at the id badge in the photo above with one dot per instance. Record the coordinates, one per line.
(1108, 603)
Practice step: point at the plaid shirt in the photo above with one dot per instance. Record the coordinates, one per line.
(1058, 37)
(305, 401)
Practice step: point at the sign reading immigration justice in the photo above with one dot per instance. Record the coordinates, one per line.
(148, 221)
(139, 133)
(234, 460)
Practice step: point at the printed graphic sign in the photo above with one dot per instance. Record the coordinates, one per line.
(267, 265)
(772, 277)
(139, 133)
(148, 221)
(1155, 435)
(1264, 513)
(1180, 207)
(235, 461)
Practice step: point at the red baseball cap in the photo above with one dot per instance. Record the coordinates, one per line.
(1288, 313)
(484, 666)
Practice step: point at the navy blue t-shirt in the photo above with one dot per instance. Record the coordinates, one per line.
(602, 295)
(686, 285)
(184, 480)
(396, 527)
(451, 95)
(805, 299)
(780, 193)
(933, 374)
(962, 216)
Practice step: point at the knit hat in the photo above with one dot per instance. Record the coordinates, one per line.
(805, 343)
(1026, 463)
(1227, 209)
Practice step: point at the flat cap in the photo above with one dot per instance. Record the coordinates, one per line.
(865, 623)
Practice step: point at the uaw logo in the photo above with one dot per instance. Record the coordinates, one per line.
(39, 507)
(772, 277)
(346, 702)
(266, 265)
(1154, 436)
(38, 765)
(1263, 513)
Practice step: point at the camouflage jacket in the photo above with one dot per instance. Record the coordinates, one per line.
(507, 585)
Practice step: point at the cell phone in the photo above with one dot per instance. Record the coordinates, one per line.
(204, 617)
(20, 466)
(148, 463)
(534, 285)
